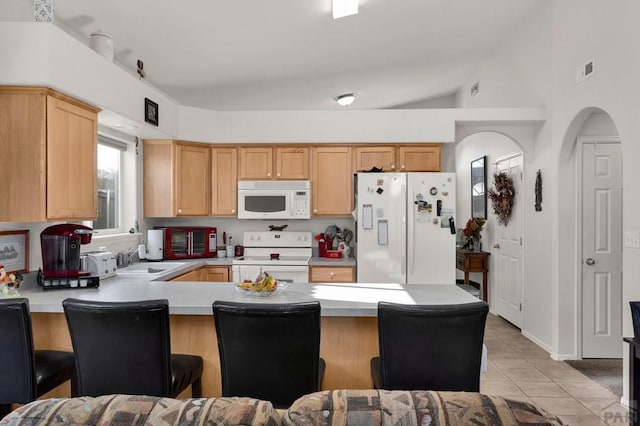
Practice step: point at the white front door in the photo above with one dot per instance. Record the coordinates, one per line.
(507, 249)
(601, 250)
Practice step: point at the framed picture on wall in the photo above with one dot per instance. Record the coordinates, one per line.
(14, 251)
(151, 112)
(479, 187)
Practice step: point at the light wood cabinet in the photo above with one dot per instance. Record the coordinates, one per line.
(49, 150)
(206, 273)
(332, 274)
(331, 181)
(256, 163)
(215, 274)
(292, 163)
(177, 178)
(188, 276)
(399, 158)
(382, 157)
(259, 163)
(224, 181)
(419, 158)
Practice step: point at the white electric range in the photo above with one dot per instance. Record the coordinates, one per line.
(283, 254)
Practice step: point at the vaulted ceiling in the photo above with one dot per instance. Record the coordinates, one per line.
(291, 54)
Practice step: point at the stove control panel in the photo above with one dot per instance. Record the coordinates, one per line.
(277, 239)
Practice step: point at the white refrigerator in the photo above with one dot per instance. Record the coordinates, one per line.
(405, 228)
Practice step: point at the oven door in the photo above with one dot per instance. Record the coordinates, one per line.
(282, 273)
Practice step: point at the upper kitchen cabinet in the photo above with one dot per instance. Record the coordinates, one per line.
(331, 180)
(398, 158)
(382, 157)
(419, 158)
(177, 178)
(258, 163)
(292, 163)
(224, 181)
(49, 147)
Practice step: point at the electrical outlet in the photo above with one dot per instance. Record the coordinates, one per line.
(632, 239)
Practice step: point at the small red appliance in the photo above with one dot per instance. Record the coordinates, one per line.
(60, 245)
(182, 242)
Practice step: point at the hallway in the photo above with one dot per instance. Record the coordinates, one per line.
(520, 369)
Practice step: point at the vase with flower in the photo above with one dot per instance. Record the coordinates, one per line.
(472, 231)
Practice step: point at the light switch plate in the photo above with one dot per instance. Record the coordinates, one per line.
(632, 239)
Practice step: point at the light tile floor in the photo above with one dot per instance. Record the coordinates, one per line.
(519, 369)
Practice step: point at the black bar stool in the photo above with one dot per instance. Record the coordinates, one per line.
(125, 347)
(269, 351)
(429, 347)
(25, 373)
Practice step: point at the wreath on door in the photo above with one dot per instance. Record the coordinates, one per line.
(502, 197)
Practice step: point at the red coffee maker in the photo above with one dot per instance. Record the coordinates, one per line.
(60, 245)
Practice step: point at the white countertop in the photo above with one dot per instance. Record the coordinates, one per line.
(196, 298)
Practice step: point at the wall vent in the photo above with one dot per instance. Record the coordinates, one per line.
(584, 71)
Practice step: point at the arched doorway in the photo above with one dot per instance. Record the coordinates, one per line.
(505, 266)
(593, 147)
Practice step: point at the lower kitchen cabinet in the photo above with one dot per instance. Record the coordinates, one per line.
(332, 274)
(215, 273)
(206, 273)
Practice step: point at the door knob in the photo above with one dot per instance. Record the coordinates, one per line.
(496, 246)
(590, 261)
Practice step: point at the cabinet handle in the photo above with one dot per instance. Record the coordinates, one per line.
(179, 210)
(402, 167)
(393, 166)
(278, 174)
(315, 210)
(332, 274)
(233, 210)
(268, 174)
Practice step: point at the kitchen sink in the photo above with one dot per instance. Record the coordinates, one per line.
(150, 268)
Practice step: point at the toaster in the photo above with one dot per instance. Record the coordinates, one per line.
(101, 264)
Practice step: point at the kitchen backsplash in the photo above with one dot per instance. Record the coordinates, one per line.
(236, 227)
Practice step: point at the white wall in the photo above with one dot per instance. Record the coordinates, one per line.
(518, 72)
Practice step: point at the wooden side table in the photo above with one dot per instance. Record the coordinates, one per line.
(474, 261)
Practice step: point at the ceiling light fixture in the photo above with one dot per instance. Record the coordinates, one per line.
(346, 99)
(342, 8)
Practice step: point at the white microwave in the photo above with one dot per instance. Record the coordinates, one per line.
(274, 199)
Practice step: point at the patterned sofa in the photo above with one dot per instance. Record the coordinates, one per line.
(341, 407)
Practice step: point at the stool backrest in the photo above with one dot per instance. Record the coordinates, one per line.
(431, 347)
(17, 377)
(121, 347)
(268, 351)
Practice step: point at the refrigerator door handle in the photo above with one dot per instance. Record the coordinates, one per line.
(403, 237)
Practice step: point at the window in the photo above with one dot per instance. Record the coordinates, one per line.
(115, 158)
(108, 188)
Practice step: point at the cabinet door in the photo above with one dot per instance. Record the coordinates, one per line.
(219, 274)
(292, 163)
(419, 158)
(188, 276)
(193, 180)
(72, 144)
(332, 181)
(224, 182)
(23, 145)
(382, 157)
(256, 163)
(332, 274)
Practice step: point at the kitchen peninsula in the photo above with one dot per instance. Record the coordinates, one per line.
(349, 335)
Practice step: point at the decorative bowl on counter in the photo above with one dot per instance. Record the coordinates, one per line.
(263, 286)
(334, 254)
(255, 292)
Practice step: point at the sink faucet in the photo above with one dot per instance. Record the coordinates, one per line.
(124, 259)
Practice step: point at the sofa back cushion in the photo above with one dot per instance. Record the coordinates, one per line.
(381, 407)
(144, 410)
